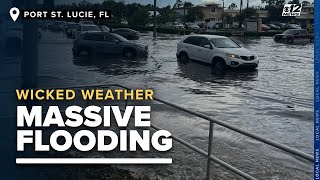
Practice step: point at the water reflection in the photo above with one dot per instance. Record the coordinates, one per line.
(201, 72)
(113, 65)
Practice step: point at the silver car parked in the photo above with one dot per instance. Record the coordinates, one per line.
(93, 43)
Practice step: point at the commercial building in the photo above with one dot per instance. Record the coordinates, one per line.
(213, 13)
(306, 16)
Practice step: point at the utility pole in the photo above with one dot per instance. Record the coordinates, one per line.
(223, 14)
(155, 19)
(184, 13)
(247, 4)
(241, 6)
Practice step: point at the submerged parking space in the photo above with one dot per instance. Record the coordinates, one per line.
(274, 101)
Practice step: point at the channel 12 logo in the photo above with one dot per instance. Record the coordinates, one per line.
(291, 10)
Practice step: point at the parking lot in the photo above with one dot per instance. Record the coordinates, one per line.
(274, 101)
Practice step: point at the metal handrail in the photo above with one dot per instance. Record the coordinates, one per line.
(210, 157)
(208, 154)
(244, 132)
(234, 128)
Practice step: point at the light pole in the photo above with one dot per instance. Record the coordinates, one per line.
(155, 19)
(223, 14)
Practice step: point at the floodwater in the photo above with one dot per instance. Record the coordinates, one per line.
(274, 101)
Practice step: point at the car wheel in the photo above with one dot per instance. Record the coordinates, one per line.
(84, 53)
(129, 54)
(218, 65)
(290, 40)
(277, 39)
(183, 57)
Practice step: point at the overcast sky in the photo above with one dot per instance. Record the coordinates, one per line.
(162, 3)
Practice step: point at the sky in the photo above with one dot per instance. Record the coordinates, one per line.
(162, 3)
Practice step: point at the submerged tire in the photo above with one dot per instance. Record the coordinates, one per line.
(129, 53)
(183, 57)
(218, 64)
(290, 41)
(277, 39)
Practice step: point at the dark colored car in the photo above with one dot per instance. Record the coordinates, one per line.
(105, 43)
(70, 28)
(281, 25)
(127, 33)
(265, 27)
(274, 27)
(291, 36)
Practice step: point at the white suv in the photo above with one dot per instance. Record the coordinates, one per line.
(219, 51)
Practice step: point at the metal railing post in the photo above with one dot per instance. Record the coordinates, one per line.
(210, 146)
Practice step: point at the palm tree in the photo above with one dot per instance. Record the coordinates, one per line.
(187, 4)
(294, 2)
(232, 6)
(305, 3)
(178, 4)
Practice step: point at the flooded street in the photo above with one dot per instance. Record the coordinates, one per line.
(274, 101)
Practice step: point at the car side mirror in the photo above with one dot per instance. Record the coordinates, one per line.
(207, 46)
(116, 41)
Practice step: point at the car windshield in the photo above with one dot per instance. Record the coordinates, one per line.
(224, 43)
(91, 28)
(290, 31)
(120, 38)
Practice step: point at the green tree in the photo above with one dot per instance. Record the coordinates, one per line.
(178, 4)
(187, 5)
(228, 18)
(118, 9)
(269, 2)
(194, 14)
(246, 13)
(132, 8)
(274, 8)
(139, 17)
(166, 15)
(294, 2)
